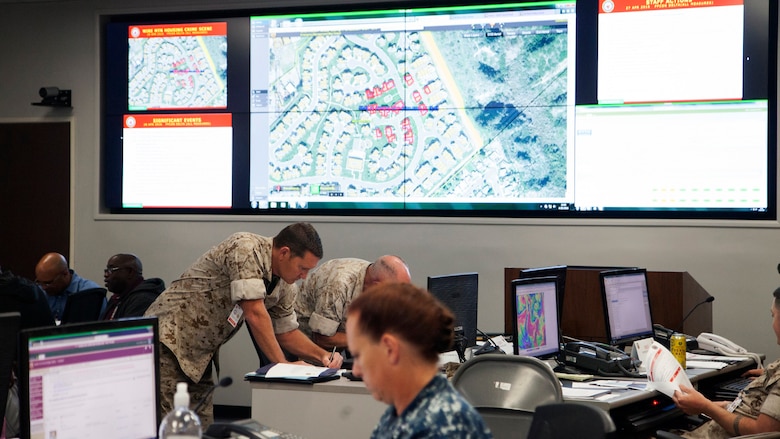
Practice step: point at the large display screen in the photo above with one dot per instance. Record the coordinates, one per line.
(515, 109)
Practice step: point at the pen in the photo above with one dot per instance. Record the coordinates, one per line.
(332, 354)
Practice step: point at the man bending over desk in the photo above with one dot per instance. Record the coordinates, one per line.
(755, 410)
(245, 277)
(324, 296)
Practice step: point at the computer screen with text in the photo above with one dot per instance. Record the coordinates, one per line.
(92, 381)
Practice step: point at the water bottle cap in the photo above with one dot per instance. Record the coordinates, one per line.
(181, 398)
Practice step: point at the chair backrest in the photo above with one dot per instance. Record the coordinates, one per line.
(506, 390)
(84, 306)
(567, 420)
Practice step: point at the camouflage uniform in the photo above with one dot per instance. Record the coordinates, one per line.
(324, 295)
(438, 411)
(760, 396)
(193, 312)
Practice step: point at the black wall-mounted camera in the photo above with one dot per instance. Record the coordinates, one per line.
(53, 97)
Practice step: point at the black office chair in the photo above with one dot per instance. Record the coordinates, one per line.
(84, 306)
(568, 420)
(10, 322)
(506, 390)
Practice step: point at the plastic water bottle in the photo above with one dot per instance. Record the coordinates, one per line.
(181, 422)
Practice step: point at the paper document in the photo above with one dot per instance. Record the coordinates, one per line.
(621, 384)
(700, 364)
(664, 372)
(292, 372)
(703, 357)
(286, 370)
(571, 392)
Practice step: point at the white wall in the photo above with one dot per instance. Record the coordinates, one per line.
(56, 44)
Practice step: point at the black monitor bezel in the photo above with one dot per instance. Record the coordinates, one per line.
(111, 161)
(555, 279)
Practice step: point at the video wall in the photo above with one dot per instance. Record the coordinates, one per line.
(593, 108)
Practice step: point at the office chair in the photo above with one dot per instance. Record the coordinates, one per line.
(506, 390)
(567, 420)
(84, 306)
(10, 322)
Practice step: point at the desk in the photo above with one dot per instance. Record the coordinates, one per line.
(639, 413)
(339, 408)
(316, 411)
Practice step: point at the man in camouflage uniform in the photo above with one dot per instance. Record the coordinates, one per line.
(236, 280)
(324, 296)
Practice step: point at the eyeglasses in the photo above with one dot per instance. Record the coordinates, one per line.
(109, 270)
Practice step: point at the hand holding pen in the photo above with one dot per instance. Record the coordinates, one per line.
(334, 360)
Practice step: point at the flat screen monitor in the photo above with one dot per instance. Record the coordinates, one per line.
(626, 302)
(435, 108)
(459, 292)
(556, 271)
(84, 306)
(90, 380)
(536, 327)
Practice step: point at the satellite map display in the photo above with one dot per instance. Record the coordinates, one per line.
(181, 66)
(463, 107)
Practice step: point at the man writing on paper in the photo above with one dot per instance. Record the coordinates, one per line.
(324, 296)
(755, 410)
(236, 280)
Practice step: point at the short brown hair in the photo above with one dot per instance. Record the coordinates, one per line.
(299, 238)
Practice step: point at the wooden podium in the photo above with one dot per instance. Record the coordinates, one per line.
(672, 296)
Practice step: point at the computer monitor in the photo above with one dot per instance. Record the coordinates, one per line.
(84, 306)
(627, 314)
(9, 333)
(558, 272)
(536, 327)
(459, 292)
(90, 380)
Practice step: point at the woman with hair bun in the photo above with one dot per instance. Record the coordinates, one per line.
(395, 333)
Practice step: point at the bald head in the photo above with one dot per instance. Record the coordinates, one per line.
(387, 269)
(52, 273)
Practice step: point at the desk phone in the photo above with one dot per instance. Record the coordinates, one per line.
(245, 428)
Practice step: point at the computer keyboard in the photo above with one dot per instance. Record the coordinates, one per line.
(731, 388)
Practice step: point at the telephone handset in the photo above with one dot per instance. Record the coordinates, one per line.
(720, 345)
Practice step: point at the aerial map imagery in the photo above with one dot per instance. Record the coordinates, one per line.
(181, 66)
(470, 113)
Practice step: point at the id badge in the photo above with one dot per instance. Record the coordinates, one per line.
(235, 315)
(734, 404)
